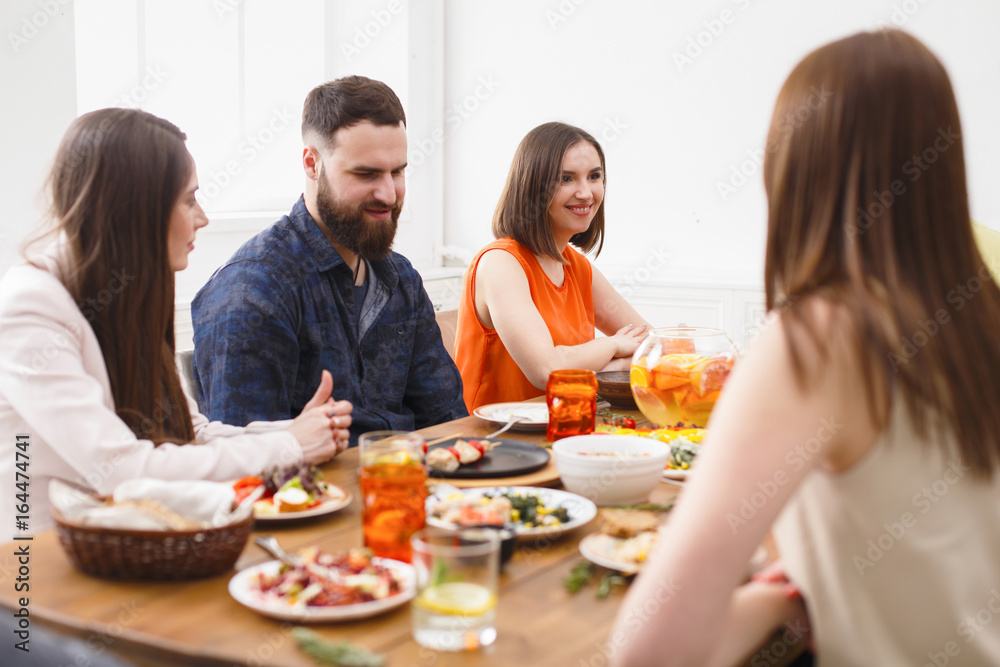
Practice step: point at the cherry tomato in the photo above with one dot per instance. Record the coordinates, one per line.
(245, 487)
(628, 422)
(247, 482)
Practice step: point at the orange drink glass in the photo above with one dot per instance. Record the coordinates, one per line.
(393, 489)
(678, 373)
(572, 399)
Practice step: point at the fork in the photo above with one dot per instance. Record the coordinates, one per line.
(514, 419)
(269, 544)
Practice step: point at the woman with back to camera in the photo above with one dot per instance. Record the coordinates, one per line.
(874, 449)
(87, 366)
(530, 302)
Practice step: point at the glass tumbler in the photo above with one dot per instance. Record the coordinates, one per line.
(393, 489)
(456, 604)
(572, 399)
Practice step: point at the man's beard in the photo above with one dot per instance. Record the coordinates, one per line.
(370, 240)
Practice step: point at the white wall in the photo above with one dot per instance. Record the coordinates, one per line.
(671, 133)
(38, 93)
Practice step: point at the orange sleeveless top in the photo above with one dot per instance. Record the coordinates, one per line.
(489, 374)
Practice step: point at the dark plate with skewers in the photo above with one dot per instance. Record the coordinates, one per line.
(508, 458)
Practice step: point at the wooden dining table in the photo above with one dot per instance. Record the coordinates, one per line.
(539, 622)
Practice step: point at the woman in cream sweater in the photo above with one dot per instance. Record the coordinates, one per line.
(89, 389)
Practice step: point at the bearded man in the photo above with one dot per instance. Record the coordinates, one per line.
(321, 288)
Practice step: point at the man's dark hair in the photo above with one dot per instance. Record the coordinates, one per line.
(345, 102)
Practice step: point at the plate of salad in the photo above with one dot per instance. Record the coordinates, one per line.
(532, 512)
(325, 587)
(291, 493)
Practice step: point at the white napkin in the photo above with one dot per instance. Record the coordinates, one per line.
(207, 502)
(203, 504)
(121, 517)
(70, 500)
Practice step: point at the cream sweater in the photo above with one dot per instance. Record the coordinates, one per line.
(898, 558)
(54, 389)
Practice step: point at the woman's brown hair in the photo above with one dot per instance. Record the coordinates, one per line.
(522, 212)
(117, 176)
(868, 210)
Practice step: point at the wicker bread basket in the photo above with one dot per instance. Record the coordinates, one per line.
(153, 555)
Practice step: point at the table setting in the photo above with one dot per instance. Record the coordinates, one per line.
(376, 551)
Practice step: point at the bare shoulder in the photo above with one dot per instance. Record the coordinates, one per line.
(820, 346)
(811, 351)
(500, 284)
(817, 332)
(499, 267)
(498, 259)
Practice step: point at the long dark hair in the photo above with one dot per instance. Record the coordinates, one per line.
(117, 176)
(868, 209)
(522, 212)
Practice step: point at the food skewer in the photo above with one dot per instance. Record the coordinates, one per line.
(447, 459)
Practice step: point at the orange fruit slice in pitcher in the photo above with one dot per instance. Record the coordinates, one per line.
(639, 377)
(710, 374)
(663, 380)
(678, 364)
(693, 400)
(647, 400)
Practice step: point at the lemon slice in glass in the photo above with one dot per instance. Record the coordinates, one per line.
(457, 598)
(398, 458)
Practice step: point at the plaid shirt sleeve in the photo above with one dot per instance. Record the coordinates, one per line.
(434, 385)
(246, 348)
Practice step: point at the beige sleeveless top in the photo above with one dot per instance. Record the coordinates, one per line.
(898, 558)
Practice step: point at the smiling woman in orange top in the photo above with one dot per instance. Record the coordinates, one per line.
(531, 302)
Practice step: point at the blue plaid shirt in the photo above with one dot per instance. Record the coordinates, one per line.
(282, 309)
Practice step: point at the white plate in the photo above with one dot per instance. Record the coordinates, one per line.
(581, 510)
(600, 549)
(242, 592)
(675, 475)
(536, 415)
(326, 506)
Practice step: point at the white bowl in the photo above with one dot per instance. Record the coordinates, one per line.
(611, 469)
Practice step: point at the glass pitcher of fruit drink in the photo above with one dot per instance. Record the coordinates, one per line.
(677, 374)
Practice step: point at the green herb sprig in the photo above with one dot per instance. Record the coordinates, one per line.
(343, 654)
(579, 576)
(607, 581)
(582, 574)
(652, 507)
